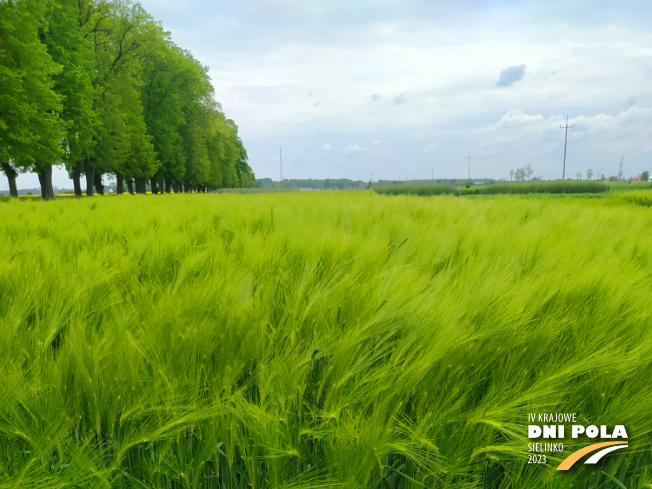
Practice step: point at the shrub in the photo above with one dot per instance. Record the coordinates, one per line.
(550, 187)
(418, 189)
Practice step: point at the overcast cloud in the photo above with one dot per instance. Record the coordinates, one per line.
(343, 87)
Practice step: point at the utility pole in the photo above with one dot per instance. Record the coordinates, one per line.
(469, 158)
(567, 127)
(280, 169)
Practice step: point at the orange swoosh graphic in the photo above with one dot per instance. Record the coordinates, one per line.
(575, 456)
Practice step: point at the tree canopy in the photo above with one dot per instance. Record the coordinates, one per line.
(100, 88)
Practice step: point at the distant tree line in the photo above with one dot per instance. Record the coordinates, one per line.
(458, 182)
(99, 87)
(521, 174)
(328, 183)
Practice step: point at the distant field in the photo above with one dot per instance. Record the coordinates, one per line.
(535, 187)
(621, 186)
(320, 339)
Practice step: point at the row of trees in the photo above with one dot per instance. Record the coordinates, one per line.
(99, 87)
(526, 173)
(522, 173)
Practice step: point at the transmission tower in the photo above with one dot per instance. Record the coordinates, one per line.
(567, 127)
(280, 169)
(620, 168)
(469, 158)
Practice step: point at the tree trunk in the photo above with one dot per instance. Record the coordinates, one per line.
(48, 182)
(11, 174)
(141, 185)
(41, 181)
(13, 190)
(76, 178)
(45, 179)
(130, 185)
(99, 188)
(152, 182)
(89, 170)
(168, 186)
(120, 183)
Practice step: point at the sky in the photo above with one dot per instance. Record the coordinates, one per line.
(409, 89)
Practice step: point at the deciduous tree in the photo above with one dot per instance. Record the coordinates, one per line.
(30, 128)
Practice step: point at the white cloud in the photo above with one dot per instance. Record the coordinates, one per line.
(376, 141)
(326, 147)
(432, 147)
(353, 149)
(515, 118)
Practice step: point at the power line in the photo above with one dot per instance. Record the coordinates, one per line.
(567, 127)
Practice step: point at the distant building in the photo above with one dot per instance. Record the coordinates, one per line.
(637, 178)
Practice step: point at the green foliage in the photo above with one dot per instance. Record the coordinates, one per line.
(172, 83)
(547, 187)
(641, 198)
(417, 189)
(125, 35)
(551, 187)
(100, 87)
(326, 184)
(318, 340)
(628, 186)
(69, 47)
(522, 174)
(457, 182)
(554, 187)
(30, 132)
(615, 481)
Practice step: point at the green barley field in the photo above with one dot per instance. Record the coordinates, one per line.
(321, 340)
